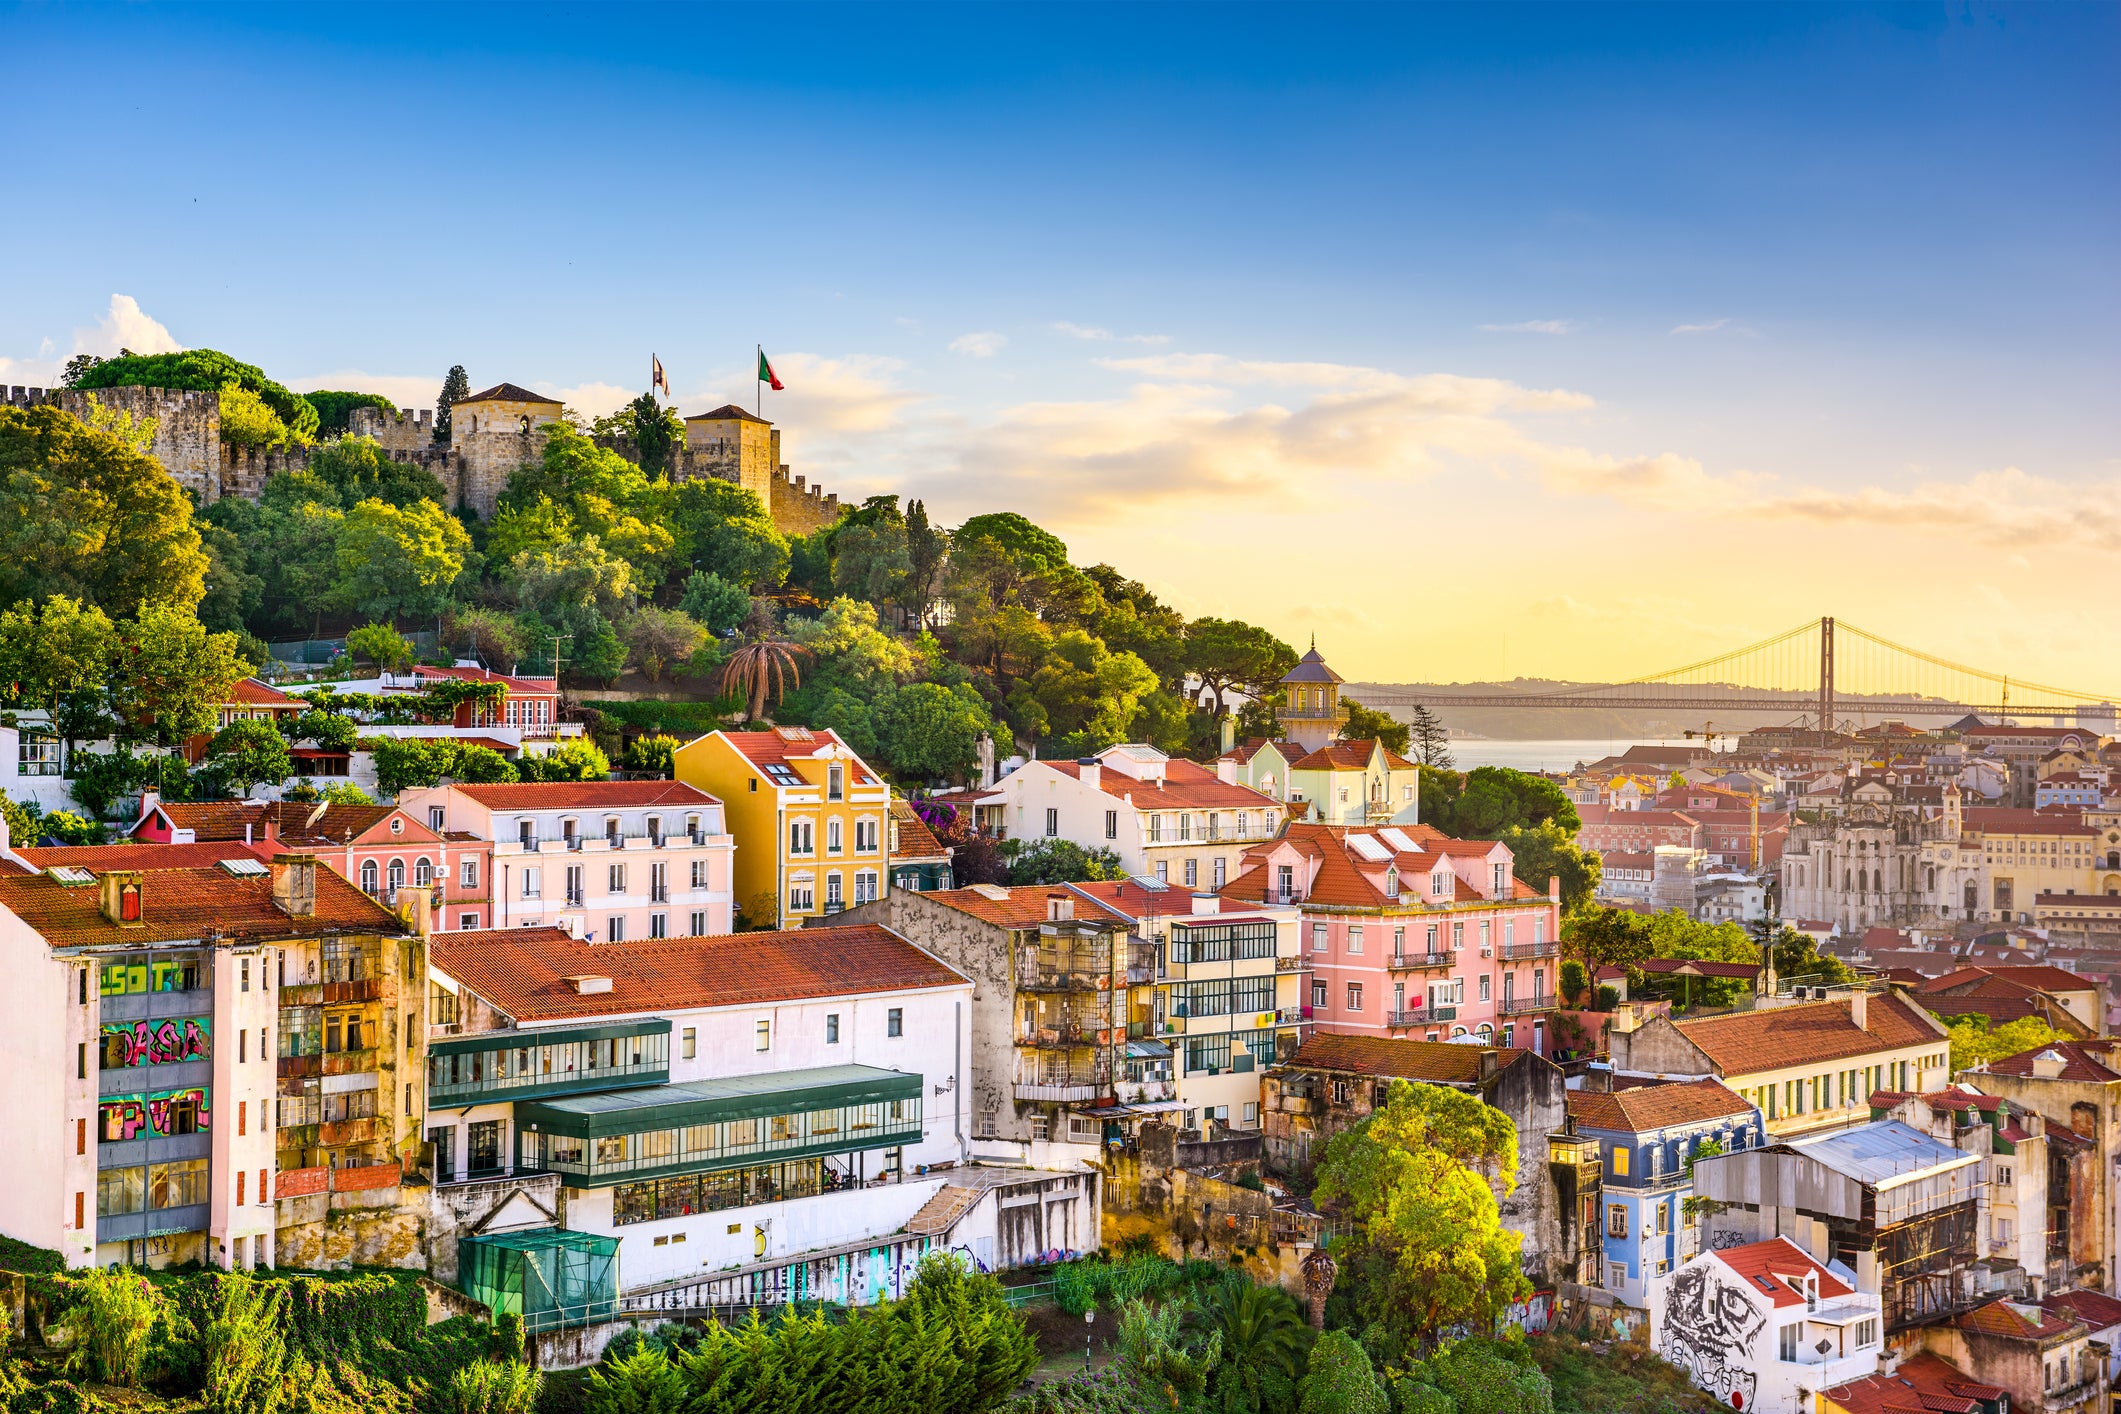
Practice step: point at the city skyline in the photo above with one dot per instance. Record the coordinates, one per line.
(1792, 312)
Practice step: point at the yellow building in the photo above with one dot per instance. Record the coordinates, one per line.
(808, 815)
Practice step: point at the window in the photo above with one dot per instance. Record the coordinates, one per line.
(1318, 937)
(533, 881)
(895, 1022)
(865, 836)
(1111, 824)
(1318, 995)
(835, 782)
(1052, 822)
(1163, 871)
(1192, 873)
(1866, 1333)
(688, 1043)
(369, 877)
(800, 897)
(1620, 1166)
(574, 884)
(435, 817)
(1664, 1220)
(1355, 996)
(866, 882)
(1355, 938)
(832, 837)
(832, 1028)
(833, 897)
(658, 925)
(615, 881)
(1786, 1341)
(1616, 1220)
(801, 837)
(470, 872)
(1484, 987)
(699, 923)
(39, 754)
(1220, 875)
(763, 1036)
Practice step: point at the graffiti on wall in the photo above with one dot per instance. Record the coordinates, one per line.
(1707, 1329)
(162, 1115)
(157, 1042)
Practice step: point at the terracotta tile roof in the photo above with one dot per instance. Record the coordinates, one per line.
(1022, 907)
(729, 412)
(249, 692)
(1438, 1062)
(1187, 785)
(1350, 756)
(1973, 992)
(1649, 1107)
(1766, 1266)
(298, 823)
(2095, 1308)
(2011, 1318)
(763, 749)
(2047, 979)
(1251, 746)
(1773, 1037)
(524, 971)
(2080, 1061)
(587, 795)
(915, 839)
(507, 393)
(1921, 1384)
(180, 904)
(139, 854)
(534, 687)
(1343, 878)
(1126, 899)
(2000, 820)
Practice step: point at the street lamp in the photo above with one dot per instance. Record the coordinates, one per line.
(1089, 1328)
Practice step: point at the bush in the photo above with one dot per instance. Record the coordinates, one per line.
(113, 1319)
(651, 753)
(576, 760)
(492, 1387)
(242, 1349)
(382, 645)
(1608, 998)
(642, 1382)
(1339, 1379)
(1480, 1377)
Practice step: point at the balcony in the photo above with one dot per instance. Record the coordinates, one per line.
(1512, 952)
(1421, 1016)
(1292, 964)
(1060, 979)
(1523, 1006)
(528, 1065)
(1070, 1086)
(1070, 1036)
(1447, 958)
(1292, 1016)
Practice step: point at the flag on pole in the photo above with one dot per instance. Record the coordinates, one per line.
(766, 373)
(659, 379)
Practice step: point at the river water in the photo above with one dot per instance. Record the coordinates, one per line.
(1557, 755)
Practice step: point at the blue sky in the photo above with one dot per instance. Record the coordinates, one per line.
(1505, 340)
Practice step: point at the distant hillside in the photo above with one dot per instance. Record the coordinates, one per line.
(1540, 724)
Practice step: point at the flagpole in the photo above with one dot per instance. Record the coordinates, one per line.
(758, 386)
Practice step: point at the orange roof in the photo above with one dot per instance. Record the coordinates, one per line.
(915, 839)
(2002, 820)
(299, 823)
(2011, 1318)
(525, 971)
(2095, 1308)
(1648, 1107)
(763, 749)
(586, 795)
(185, 903)
(139, 854)
(1920, 1384)
(1020, 907)
(1773, 1037)
(534, 687)
(249, 692)
(1349, 756)
(1187, 785)
(1438, 1062)
(1768, 1266)
(2080, 1061)
(1251, 746)
(1342, 879)
(2047, 979)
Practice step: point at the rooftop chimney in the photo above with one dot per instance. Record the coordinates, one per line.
(1859, 1008)
(120, 895)
(1226, 770)
(1059, 908)
(294, 884)
(2049, 1065)
(1087, 767)
(589, 986)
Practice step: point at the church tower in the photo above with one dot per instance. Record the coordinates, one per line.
(1310, 712)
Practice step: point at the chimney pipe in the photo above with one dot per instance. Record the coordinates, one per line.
(294, 884)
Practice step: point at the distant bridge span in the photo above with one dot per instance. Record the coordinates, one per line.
(1884, 678)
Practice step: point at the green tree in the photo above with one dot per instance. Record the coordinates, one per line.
(1059, 862)
(84, 515)
(993, 1352)
(455, 389)
(1085, 687)
(654, 754)
(1543, 852)
(335, 409)
(1420, 1179)
(851, 652)
(719, 604)
(1338, 1379)
(1606, 937)
(1264, 1344)
(57, 657)
(1167, 1370)
(491, 1387)
(233, 594)
(642, 1382)
(573, 573)
(926, 731)
(407, 763)
(577, 759)
(205, 370)
(655, 431)
(661, 638)
(250, 751)
(357, 470)
(242, 1348)
(926, 547)
(1480, 1378)
(171, 675)
(1228, 653)
(1975, 1038)
(491, 637)
(871, 562)
(1363, 724)
(1495, 798)
(396, 560)
(1431, 741)
(724, 529)
(248, 421)
(381, 645)
(112, 1325)
(1440, 789)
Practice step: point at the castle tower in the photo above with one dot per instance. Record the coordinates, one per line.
(495, 432)
(1310, 712)
(734, 445)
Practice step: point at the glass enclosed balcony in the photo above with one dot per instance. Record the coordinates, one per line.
(530, 1065)
(702, 1125)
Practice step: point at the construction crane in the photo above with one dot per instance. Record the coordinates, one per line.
(1709, 737)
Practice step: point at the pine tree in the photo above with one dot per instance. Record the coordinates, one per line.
(455, 389)
(1432, 744)
(924, 550)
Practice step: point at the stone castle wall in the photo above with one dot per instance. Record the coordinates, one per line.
(473, 467)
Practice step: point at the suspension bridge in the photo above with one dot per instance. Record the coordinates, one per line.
(1814, 672)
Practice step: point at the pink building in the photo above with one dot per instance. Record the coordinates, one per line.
(1413, 935)
(608, 861)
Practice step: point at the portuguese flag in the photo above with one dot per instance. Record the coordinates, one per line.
(766, 373)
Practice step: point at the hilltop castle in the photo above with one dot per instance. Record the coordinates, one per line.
(490, 435)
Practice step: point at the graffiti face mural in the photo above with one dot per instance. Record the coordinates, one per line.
(157, 1042)
(1709, 1327)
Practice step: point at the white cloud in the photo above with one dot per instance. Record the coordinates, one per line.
(406, 390)
(1534, 326)
(912, 326)
(1096, 334)
(589, 399)
(1709, 328)
(126, 326)
(983, 343)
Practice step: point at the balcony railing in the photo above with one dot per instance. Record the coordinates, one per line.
(1513, 951)
(1061, 1091)
(1421, 1015)
(1520, 1006)
(1070, 1037)
(1292, 964)
(1448, 957)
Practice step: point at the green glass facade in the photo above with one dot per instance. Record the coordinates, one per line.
(531, 1065)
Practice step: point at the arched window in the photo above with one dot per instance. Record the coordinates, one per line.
(368, 876)
(423, 873)
(397, 873)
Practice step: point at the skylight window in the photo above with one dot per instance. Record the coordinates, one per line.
(1368, 847)
(782, 775)
(1399, 841)
(244, 868)
(70, 874)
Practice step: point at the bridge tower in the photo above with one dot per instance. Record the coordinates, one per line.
(1826, 681)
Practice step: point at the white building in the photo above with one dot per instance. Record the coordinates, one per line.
(760, 1108)
(606, 860)
(1764, 1326)
(1166, 818)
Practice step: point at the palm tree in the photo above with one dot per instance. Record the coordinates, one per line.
(760, 665)
(1263, 1334)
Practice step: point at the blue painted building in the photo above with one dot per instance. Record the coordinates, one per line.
(1645, 1137)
